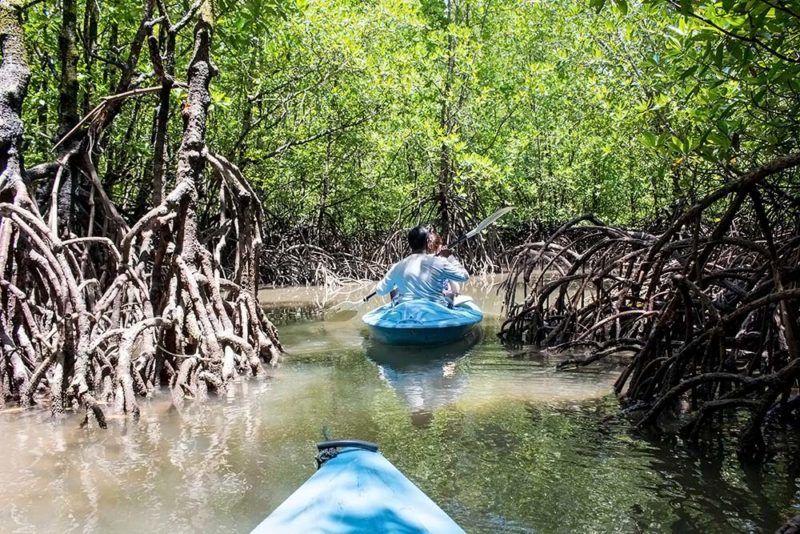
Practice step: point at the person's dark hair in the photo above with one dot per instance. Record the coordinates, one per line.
(418, 238)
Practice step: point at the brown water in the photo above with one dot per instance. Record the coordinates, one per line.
(498, 438)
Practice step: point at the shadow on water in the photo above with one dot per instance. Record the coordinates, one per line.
(426, 378)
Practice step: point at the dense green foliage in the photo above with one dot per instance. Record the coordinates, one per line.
(344, 114)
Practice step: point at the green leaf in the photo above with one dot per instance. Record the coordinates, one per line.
(719, 55)
(677, 143)
(688, 72)
(736, 49)
(719, 140)
(597, 4)
(649, 139)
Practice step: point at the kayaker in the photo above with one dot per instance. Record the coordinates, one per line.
(435, 246)
(421, 275)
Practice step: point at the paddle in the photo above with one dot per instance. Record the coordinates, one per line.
(353, 306)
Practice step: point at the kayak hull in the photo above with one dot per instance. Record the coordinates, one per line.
(419, 336)
(358, 491)
(422, 323)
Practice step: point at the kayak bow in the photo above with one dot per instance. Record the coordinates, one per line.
(357, 490)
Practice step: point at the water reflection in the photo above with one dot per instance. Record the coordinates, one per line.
(496, 437)
(426, 378)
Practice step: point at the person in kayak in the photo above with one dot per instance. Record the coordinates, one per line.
(421, 275)
(450, 289)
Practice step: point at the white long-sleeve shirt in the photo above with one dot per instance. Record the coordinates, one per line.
(422, 276)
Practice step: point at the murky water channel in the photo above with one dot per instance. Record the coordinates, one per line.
(501, 441)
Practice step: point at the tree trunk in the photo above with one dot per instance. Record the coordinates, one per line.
(68, 49)
(447, 122)
(162, 112)
(90, 15)
(66, 183)
(14, 77)
(324, 191)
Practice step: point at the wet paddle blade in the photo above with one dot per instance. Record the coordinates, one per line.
(344, 311)
(340, 316)
(348, 305)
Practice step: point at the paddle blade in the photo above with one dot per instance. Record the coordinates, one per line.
(348, 305)
(346, 310)
(340, 316)
(488, 220)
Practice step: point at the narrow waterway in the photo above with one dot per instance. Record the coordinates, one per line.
(494, 435)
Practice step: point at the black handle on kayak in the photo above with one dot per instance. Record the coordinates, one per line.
(356, 443)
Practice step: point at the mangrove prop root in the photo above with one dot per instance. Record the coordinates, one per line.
(101, 319)
(305, 254)
(704, 306)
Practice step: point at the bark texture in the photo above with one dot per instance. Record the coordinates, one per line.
(103, 318)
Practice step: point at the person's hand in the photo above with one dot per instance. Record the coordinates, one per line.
(444, 252)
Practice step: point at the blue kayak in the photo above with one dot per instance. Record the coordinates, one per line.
(357, 490)
(423, 322)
